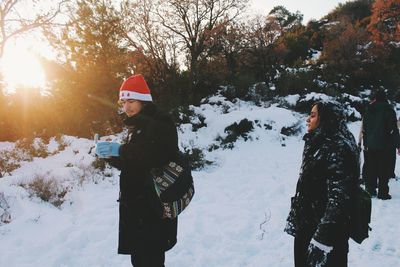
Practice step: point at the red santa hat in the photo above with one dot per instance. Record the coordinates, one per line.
(135, 87)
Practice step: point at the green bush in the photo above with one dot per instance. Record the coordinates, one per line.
(294, 129)
(235, 131)
(295, 81)
(196, 158)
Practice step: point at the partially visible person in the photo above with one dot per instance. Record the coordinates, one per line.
(381, 137)
(152, 141)
(365, 156)
(320, 210)
(393, 157)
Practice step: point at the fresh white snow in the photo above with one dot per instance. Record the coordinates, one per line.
(236, 218)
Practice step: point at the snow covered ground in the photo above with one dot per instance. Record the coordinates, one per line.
(236, 218)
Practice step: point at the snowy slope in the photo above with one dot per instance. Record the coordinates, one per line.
(235, 219)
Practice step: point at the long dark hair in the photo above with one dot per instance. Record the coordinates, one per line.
(333, 122)
(331, 116)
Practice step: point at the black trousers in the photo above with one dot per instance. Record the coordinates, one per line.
(364, 167)
(378, 170)
(393, 156)
(148, 258)
(336, 258)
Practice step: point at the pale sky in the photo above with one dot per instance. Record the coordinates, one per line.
(311, 9)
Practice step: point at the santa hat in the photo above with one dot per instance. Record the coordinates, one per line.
(135, 87)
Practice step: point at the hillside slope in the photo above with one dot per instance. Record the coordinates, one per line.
(235, 219)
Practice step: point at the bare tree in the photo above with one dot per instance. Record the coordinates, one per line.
(13, 22)
(144, 34)
(195, 23)
(262, 36)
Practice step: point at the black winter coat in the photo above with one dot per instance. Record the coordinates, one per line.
(328, 177)
(380, 130)
(152, 142)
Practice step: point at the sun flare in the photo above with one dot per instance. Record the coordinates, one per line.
(21, 68)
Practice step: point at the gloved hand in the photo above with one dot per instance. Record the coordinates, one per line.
(317, 254)
(107, 149)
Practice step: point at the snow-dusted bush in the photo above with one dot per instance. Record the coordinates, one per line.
(9, 161)
(182, 114)
(219, 102)
(288, 101)
(232, 93)
(196, 158)
(187, 115)
(353, 105)
(32, 148)
(48, 189)
(234, 132)
(229, 123)
(62, 143)
(99, 164)
(294, 81)
(24, 150)
(82, 173)
(5, 216)
(260, 92)
(294, 129)
(304, 104)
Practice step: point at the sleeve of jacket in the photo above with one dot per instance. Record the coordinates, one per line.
(339, 180)
(393, 129)
(157, 146)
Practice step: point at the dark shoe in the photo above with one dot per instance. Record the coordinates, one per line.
(385, 197)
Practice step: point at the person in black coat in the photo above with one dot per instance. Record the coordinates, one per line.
(144, 232)
(320, 210)
(381, 138)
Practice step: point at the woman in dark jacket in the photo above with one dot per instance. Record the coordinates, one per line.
(152, 141)
(320, 209)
